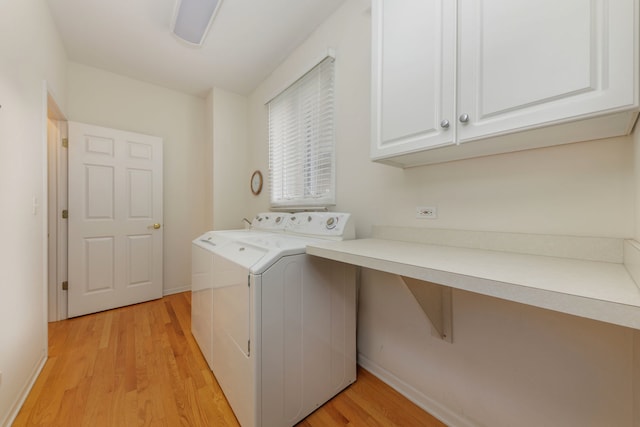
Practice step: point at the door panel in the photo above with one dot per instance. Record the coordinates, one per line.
(99, 265)
(139, 259)
(413, 75)
(99, 192)
(140, 194)
(561, 55)
(526, 64)
(115, 198)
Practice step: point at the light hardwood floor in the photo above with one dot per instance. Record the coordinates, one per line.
(140, 366)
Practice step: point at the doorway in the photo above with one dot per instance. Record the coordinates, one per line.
(57, 203)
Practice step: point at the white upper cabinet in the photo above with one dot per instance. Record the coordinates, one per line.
(413, 74)
(528, 63)
(563, 71)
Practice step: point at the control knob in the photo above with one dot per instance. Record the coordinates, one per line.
(331, 223)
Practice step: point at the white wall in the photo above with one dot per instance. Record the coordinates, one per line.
(30, 53)
(228, 126)
(106, 99)
(509, 364)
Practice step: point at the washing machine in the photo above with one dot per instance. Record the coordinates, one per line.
(276, 326)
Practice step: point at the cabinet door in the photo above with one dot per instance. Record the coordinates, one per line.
(413, 75)
(525, 64)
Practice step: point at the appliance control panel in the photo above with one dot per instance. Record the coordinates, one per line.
(333, 225)
(324, 225)
(270, 221)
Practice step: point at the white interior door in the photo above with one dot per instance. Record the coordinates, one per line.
(115, 218)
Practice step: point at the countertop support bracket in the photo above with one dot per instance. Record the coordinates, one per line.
(436, 302)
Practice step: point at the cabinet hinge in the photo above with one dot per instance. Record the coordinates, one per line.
(65, 142)
(249, 348)
(65, 214)
(65, 286)
(249, 281)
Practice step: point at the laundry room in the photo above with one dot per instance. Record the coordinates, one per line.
(495, 277)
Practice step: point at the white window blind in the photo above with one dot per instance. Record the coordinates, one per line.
(301, 141)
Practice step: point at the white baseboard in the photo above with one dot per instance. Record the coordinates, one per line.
(17, 405)
(172, 291)
(433, 407)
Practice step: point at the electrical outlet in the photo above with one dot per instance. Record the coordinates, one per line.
(426, 212)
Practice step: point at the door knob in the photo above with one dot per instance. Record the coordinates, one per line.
(156, 226)
(464, 118)
(444, 124)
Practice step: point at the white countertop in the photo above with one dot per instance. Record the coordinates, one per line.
(597, 290)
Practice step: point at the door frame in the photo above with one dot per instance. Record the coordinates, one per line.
(55, 200)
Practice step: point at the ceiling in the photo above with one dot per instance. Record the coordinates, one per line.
(246, 42)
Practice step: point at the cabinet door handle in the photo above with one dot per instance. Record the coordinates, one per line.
(464, 118)
(444, 124)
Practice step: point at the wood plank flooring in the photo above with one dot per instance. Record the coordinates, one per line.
(140, 366)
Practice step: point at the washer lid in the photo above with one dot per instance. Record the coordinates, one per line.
(241, 253)
(275, 245)
(211, 240)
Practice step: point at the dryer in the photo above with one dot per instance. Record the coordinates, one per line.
(276, 326)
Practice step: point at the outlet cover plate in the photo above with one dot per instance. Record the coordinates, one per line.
(426, 212)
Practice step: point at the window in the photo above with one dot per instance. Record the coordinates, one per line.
(301, 141)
